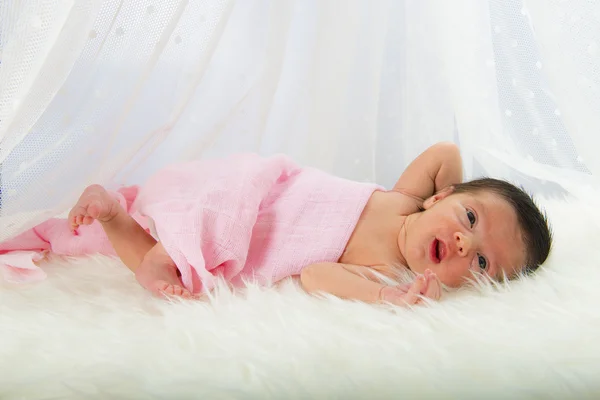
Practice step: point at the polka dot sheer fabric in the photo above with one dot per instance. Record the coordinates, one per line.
(110, 91)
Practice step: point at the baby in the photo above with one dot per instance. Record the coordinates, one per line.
(268, 219)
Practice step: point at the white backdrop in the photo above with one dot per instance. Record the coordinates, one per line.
(109, 90)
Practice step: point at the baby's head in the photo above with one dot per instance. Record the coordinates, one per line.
(485, 225)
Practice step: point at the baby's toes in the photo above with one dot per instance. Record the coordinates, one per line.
(79, 219)
(174, 290)
(73, 222)
(179, 291)
(164, 288)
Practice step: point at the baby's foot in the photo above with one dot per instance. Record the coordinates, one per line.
(160, 278)
(94, 203)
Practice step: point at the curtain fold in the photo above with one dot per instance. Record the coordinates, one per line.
(109, 91)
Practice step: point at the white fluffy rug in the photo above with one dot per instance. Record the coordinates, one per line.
(89, 332)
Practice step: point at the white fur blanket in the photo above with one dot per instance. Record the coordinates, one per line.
(89, 332)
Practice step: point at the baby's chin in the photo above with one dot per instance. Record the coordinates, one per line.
(414, 261)
(420, 268)
(416, 269)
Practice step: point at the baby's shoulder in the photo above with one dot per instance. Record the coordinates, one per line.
(394, 202)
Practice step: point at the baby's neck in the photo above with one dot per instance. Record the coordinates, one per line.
(374, 241)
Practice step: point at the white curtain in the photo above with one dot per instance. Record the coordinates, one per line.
(108, 91)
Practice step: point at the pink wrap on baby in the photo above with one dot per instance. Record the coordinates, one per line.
(241, 218)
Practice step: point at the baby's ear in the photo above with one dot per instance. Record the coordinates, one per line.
(441, 195)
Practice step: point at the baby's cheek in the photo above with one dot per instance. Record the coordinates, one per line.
(454, 274)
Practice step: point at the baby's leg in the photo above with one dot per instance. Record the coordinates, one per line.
(158, 273)
(138, 250)
(130, 241)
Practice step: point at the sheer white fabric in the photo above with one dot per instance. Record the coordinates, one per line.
(108, 91)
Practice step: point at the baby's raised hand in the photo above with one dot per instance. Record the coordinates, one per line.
(434, 286)
(426, 285)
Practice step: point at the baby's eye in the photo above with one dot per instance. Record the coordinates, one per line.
(472, 218)
(482, 262)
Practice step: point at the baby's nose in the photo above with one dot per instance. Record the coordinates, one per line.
(463, 244)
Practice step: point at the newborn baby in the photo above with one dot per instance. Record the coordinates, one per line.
(248, 218)
(266, 219)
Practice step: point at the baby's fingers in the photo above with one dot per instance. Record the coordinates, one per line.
(434, 286)
(416, 290)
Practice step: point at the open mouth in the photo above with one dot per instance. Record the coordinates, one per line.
(437, 251)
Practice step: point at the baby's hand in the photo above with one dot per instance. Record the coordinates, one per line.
(427, 285)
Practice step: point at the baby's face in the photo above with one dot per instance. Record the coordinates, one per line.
(463, 233)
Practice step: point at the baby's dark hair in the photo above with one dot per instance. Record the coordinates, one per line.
(537, 235)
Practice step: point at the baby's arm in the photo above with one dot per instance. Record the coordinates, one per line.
(355, 282)
(436, 168)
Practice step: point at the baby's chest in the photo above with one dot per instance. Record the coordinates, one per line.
(282, 246)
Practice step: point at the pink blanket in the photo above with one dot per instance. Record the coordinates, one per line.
(20, 256)
(241, 218)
